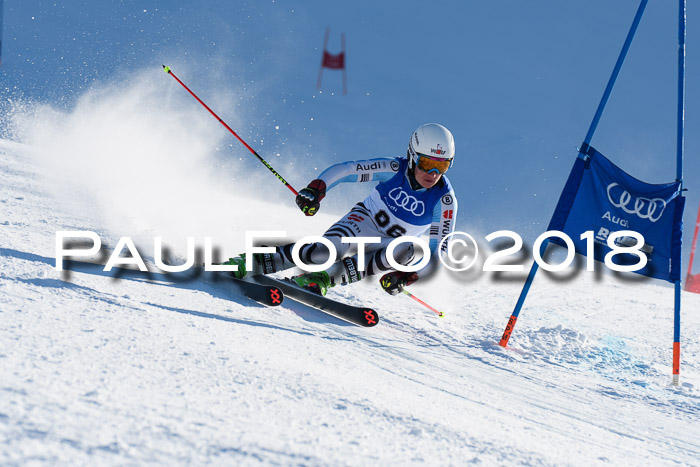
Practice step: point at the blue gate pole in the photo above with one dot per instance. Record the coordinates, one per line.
(679, 177)
(2, 7)
(586, 142)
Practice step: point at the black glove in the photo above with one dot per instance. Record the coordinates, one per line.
(394, 282)
(309, 198)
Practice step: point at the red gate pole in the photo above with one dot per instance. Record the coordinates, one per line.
(688, 277)
(323, 56)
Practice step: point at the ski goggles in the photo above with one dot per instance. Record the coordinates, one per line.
(433, 164)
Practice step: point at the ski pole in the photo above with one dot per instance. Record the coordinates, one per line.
(439, 313)
(265, 163)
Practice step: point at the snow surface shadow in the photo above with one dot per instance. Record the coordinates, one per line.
(227, 319)
(56, 284)
(191, 280)
(197, 279)
(27, 256)
(312, 315)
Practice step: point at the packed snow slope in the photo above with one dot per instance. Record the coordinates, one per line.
(124, 367)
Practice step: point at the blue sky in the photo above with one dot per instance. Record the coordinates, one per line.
(516, 82)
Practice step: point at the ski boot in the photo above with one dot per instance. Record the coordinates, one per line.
(316, 282)
(238, 261)
(262, 264)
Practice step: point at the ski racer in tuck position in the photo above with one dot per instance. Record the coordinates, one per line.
(413, 196)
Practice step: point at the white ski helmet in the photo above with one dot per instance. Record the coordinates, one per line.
(433, 142)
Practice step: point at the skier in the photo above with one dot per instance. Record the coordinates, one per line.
(413, 196)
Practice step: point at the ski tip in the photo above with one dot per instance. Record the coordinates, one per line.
(370, 317)
(276, 296)
(441, 315)
(166, 69)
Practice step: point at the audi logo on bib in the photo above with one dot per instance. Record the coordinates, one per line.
(644, 208)
(407, 202)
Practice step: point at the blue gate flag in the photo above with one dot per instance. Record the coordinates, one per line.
(601, 197)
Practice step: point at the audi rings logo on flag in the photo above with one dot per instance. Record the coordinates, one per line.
(406, 201)
(644, 208)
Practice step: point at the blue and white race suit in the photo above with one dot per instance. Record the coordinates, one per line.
(393, 209)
